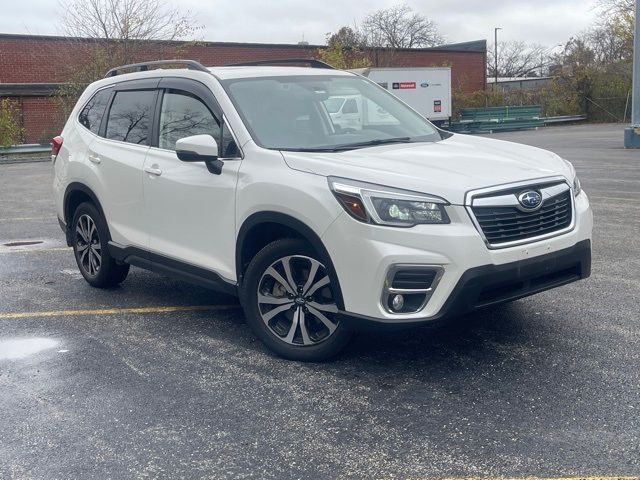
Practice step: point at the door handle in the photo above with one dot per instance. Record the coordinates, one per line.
(94, 158)
(153, 171)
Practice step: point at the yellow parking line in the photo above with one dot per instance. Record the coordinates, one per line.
(615, 199)
(115, 311)
(29, 250)
(22, 219)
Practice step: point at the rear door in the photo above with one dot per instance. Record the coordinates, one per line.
(118, 157)
(191, 212)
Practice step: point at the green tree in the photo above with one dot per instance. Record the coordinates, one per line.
(347, 37)
(343, 57)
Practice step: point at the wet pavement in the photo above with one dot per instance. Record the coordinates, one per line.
(161, 379)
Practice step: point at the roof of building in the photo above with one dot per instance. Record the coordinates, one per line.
(477, 46)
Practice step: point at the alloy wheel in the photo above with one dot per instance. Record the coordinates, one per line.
(296, 302)
(88, 246)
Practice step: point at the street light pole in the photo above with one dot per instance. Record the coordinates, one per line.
(545, 52)
(495, 57)
(632, 134)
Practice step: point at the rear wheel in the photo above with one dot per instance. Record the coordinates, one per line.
(289, 302)
(90, 237)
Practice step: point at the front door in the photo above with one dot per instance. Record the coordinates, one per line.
(190, 212)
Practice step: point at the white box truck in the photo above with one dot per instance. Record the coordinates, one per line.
(427, 90)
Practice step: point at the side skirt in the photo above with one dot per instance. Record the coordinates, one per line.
(171, 267)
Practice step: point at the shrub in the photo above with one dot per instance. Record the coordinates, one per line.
(10, 130)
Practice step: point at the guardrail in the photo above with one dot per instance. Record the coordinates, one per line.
(26, 148)
(32, 152)
(564, 119)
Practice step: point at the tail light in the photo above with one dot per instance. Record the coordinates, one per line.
(56, 144)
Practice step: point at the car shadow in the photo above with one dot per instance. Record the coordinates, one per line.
(485, 338)
(490, 339)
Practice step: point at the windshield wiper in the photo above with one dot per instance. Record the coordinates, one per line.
(350, 146)
(372, 143)
(311, 149)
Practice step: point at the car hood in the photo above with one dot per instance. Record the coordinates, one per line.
(448, 168)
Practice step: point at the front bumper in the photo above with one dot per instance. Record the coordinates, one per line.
(362, 254)
(490, 285)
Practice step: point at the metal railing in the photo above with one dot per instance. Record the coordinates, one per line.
(26, 148)
(32, 152)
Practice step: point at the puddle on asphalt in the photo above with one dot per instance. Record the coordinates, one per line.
(17, 348)
(23, 243)
(29, 244)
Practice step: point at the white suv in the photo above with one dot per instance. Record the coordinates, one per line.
(237, 178)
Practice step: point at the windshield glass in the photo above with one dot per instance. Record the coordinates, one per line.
(324, 113)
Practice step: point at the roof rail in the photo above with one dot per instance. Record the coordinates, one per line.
(144, 66)
(312, 62)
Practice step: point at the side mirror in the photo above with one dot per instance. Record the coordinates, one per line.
(200, 148)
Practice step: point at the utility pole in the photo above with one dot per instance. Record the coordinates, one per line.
(495, 56)
(545, 52)
(632, 134)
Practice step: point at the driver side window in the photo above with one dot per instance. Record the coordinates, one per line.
(183, 115)
(350, 106)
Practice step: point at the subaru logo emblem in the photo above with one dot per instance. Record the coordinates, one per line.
(530, 200)
(424, 84)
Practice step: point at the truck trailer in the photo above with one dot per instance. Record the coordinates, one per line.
(427, 90)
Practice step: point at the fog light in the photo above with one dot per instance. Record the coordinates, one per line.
(397, 302)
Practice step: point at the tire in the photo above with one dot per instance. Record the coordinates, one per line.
(304, 326)
(90, 238)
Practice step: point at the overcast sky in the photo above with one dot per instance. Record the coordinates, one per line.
(548, 22)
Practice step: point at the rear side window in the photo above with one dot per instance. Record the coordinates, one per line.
(130, 116)
(91, 115)
(184, 115)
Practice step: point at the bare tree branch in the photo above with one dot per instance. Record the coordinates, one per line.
(400, 27)
(126, 21)
(120, 32)
(518, 59)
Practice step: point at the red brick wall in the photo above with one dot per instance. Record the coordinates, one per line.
(32, 59)
(26, 59)
(41, 119)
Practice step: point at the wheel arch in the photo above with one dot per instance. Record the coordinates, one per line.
(262, 228)
(75, 194)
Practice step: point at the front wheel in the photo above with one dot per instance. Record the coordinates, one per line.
(289, 302)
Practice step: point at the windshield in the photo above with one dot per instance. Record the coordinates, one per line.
(324, 113)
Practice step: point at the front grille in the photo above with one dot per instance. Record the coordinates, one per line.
(509, 224)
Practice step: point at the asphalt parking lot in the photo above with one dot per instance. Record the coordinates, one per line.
(161, 379)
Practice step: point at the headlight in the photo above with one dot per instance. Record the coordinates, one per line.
(388, 206)
(577, 188)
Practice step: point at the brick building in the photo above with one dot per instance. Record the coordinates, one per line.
(31, 73)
